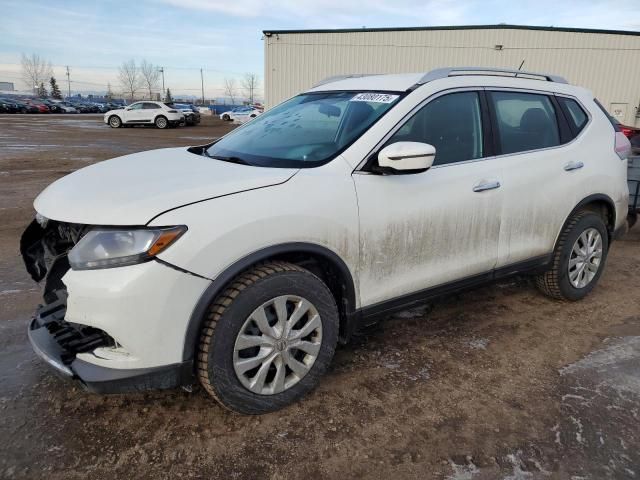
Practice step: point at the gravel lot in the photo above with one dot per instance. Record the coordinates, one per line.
(500, 382)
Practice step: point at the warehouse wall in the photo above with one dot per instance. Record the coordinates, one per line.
(608, 64)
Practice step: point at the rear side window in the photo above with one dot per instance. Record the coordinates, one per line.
(452, 123)
(525, 121)
(150, 106)
(576, 116)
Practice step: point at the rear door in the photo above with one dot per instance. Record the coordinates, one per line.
(150, 110)
(541, 172)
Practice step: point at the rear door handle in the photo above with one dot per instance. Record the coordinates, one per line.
(573, 166)
(483, 186)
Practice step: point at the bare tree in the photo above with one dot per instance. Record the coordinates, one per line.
(250, 85)
(230, 89)
(130, 78)
(150, 77)
(35, 70)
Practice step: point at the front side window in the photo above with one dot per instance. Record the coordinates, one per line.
(525, 121)
(135, 106)
(305, 131)
(451, 123)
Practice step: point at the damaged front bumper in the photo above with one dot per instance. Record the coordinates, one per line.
(58, 343)
(114, 330)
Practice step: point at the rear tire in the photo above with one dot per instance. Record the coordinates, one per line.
(226, 118)
(114, 121)
(280, 372)
(161, 122)
(573, 275)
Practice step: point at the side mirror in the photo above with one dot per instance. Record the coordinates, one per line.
(407, 157)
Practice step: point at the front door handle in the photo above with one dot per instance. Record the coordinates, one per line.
(482, 186)
(573, 166)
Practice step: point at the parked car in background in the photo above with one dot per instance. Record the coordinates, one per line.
(201, 264)
(240, 114)
(67, 107)
(632, 133)
(144, 113)
(191, 115)
(53, 106)
(26, 107)
(42, 108)
(8, 106)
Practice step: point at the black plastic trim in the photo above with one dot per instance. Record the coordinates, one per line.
(103, 380)
(565, 131)
(597, 197)
(226, 277)
(370, 313)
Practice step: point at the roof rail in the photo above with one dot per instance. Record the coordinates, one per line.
(335, 78)
(439, 73)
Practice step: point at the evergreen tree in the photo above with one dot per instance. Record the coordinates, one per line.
(42, 92)
(55, 90)
(168, 98)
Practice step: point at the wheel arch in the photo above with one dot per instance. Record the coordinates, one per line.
(320, 260)
(598, 203)
(117, 116)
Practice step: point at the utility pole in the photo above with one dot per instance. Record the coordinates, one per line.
(202, 82)
(68, 82)
(164, 92)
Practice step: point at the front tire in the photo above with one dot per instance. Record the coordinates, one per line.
(268, 338)
(578, 259)
(161, 122)
(226, 118)
(114, 121)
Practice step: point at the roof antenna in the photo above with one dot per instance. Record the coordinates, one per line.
(520, 67)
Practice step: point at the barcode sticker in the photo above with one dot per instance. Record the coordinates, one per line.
(374, 97)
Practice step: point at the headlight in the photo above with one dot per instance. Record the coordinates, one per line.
(107, 248)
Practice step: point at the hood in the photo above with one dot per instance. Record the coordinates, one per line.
(133, 189)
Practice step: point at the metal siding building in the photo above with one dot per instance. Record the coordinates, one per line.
(607, 62)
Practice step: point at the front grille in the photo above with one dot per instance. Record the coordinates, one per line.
(73, 338)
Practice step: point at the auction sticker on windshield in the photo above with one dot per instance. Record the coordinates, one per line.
(374, 97)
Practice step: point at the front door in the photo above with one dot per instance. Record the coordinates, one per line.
(428, 229)
(134, 113)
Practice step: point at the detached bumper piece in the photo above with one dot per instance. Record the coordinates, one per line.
(57, 342)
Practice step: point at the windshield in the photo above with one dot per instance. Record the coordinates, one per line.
(306, 131)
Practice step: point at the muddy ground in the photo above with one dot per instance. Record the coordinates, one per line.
(498, 383)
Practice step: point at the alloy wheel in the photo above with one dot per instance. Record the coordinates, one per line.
(585, 258)
(277, 345)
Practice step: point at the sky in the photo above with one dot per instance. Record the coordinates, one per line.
(224, 37)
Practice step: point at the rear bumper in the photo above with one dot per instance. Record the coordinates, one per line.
(101, 379)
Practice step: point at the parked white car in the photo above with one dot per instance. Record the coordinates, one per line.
(144, 113)
(241, 114)
(242, 263)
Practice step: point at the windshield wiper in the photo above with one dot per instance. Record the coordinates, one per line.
(237, 160)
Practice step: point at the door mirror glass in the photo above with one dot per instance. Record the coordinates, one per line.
(407, 156)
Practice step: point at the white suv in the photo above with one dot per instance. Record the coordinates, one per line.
(144, 113)
(244, 262)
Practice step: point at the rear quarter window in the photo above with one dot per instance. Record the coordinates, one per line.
(574, 113)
